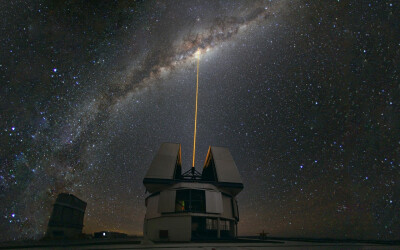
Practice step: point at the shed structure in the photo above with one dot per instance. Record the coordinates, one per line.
(191, 205)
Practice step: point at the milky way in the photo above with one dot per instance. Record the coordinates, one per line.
(303, 93)
(173, 54)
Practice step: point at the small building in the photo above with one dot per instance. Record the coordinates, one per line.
(109, 235)
(191, 205)
(66, 220)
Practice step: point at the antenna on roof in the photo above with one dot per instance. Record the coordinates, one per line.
(197, 55)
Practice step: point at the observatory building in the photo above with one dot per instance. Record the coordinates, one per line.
(66, 221)
(191, 205)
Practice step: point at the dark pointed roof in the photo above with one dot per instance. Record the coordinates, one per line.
(220, 165)
(165, 167)
(221, 169)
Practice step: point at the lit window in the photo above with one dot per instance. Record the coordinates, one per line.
(188, 200)
(211, 224)
(224, 225)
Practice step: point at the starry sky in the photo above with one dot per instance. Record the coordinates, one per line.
(304, 93)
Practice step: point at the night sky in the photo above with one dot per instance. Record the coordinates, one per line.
(305, 94)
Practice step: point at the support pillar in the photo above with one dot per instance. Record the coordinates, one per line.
(236, 230)
(218, 229)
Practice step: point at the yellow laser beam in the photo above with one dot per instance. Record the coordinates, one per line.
(195, 113)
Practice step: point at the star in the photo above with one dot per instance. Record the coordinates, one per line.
(90, 91)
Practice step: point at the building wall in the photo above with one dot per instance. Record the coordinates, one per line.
(179, 228)
(214, 202)
(161, 213)
(227, 205)
(152, 207)
(166, 202)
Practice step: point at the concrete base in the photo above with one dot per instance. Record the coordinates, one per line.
(147, 242)
(169, 228)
